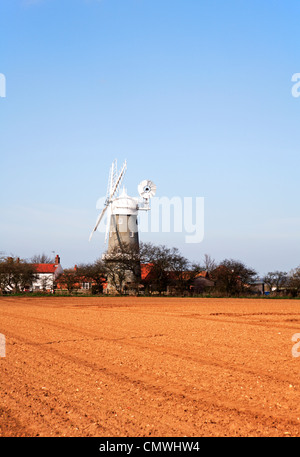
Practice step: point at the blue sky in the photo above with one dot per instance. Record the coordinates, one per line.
(195, 94)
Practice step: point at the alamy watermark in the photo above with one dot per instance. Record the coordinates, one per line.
(2, 345)
(2, 85)
(295, 338)
(167, 215)
(296, 87)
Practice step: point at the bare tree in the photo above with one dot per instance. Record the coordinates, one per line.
(93, 272)
(168, 267)
(4, 274)
(294, 281)
(276, 280)
(16, 275)
(123, 268)
(209, 263)
(180, 274)
(116, 275)
(41, 258)
(232, 277)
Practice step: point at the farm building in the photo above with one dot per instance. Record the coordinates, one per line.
(47, 273)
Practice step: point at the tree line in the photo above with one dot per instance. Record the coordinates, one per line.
(167, 271)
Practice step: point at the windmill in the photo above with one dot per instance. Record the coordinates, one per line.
(122, 211)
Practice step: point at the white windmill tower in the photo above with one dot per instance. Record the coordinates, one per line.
(122, 212)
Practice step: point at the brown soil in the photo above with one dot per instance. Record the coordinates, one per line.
(149, 367)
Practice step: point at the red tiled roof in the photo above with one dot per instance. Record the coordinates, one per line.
(203, 274)
(146, 269)
(45, 267)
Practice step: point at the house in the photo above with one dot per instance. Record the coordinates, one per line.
(47, 273)
(258, 287)
(146, 271)
(186, 282)
(202, 282)
(73, 279)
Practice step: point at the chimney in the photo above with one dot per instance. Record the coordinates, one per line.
(57, 260)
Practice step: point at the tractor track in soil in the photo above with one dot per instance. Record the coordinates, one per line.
(149, 367)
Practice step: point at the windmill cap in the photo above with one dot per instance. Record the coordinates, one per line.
(124, 205)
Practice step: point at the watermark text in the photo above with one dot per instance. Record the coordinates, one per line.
(296, 347)
(296, 87)
(167, 215)
(2, 345)
(2, 85)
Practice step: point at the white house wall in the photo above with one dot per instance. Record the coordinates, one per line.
(44, 280)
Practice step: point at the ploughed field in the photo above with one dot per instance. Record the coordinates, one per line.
(137, 366)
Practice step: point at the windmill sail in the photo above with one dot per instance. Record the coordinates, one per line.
(98, 221)
(118, 181)
(114, 182)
